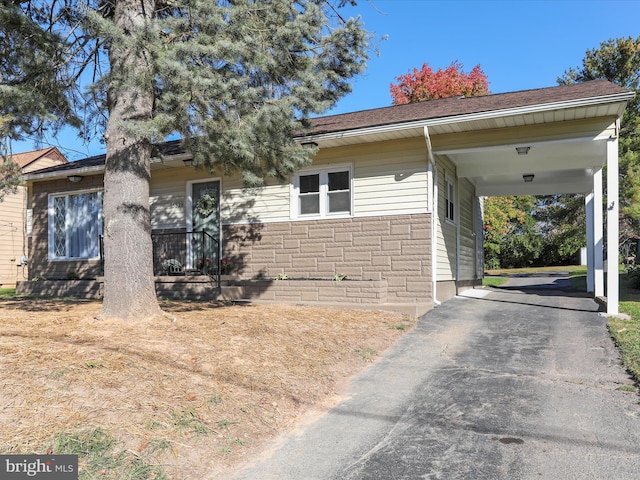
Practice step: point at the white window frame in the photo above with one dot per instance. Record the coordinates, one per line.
(450, 204)
(51, 225)
(324, 189)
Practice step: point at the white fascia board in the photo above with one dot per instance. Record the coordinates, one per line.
(64, 173)
(538, 108)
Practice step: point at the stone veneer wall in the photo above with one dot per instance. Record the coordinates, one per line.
(39, 264)
(392, 248)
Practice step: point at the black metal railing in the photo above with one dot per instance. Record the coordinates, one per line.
(183, 253)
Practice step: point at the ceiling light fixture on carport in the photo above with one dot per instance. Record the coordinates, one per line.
(523, 150)
(528, 177)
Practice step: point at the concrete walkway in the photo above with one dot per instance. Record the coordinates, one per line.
(513, 383)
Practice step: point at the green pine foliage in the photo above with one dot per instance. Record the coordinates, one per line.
(234, 79)
(35, 84)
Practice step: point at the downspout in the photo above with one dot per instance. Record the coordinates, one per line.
(432, 172)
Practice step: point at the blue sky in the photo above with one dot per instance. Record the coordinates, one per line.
(519, 44)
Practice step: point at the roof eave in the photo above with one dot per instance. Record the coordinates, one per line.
(63, 173)
(621, 98)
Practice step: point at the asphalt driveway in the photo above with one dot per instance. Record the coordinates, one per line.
(520, 382)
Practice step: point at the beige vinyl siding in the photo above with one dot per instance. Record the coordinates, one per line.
(12, 211)
(15, 225)
(446, 231)
(168, 199)
(40, 164)
(167, 196)
(270, 203)
(390, 178)
(468, 232)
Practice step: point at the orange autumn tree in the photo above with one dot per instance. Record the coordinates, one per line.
(425, 84)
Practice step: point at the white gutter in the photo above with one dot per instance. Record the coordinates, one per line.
(538, 108)
(433, 206)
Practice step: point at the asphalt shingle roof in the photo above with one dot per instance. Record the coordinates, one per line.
(456, 106)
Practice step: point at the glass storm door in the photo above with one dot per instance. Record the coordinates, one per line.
(205, 217)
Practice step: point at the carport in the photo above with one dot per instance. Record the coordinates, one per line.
(544, 142)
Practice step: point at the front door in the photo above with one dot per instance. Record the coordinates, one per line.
(205, 225)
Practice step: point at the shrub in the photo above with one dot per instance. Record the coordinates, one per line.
(633, 272)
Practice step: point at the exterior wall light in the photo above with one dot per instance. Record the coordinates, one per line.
(75, 178)
(523, 150)
(309, 144)
(528, 177)
(188, 162)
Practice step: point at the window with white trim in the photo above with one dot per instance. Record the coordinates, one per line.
(449, 200)
(322, 193)
(75, 225)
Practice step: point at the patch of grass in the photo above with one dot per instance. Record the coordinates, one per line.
(238, 441)
(407, 323)
(562, 268)
(99, 456)
(225, 423)
(400, 326)
(494, 281)
(190, 420)
(7, 292)
(94, 363)
(627, 388)
(366, 353)
(626, 333)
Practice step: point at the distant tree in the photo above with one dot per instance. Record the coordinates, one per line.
(235, 79)
(425, 84)
(562, 222)
(9, 176)
(618, 60)
(510, 235)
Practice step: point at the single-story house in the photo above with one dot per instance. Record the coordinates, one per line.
(393, 200)
(13, 220)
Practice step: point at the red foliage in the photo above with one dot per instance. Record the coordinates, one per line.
(425, 84)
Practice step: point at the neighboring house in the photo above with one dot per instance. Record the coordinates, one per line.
(393, 200)
(13, 216)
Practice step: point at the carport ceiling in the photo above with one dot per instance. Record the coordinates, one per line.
(564, 166)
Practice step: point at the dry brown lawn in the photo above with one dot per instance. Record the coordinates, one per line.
(190, 396)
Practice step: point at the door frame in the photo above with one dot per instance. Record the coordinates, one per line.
(189, 214)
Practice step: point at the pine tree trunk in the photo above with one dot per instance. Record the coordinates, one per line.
(129, 289)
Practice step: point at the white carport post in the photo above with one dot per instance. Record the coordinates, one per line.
(598, 261)
(588, 201)
(612, 225)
